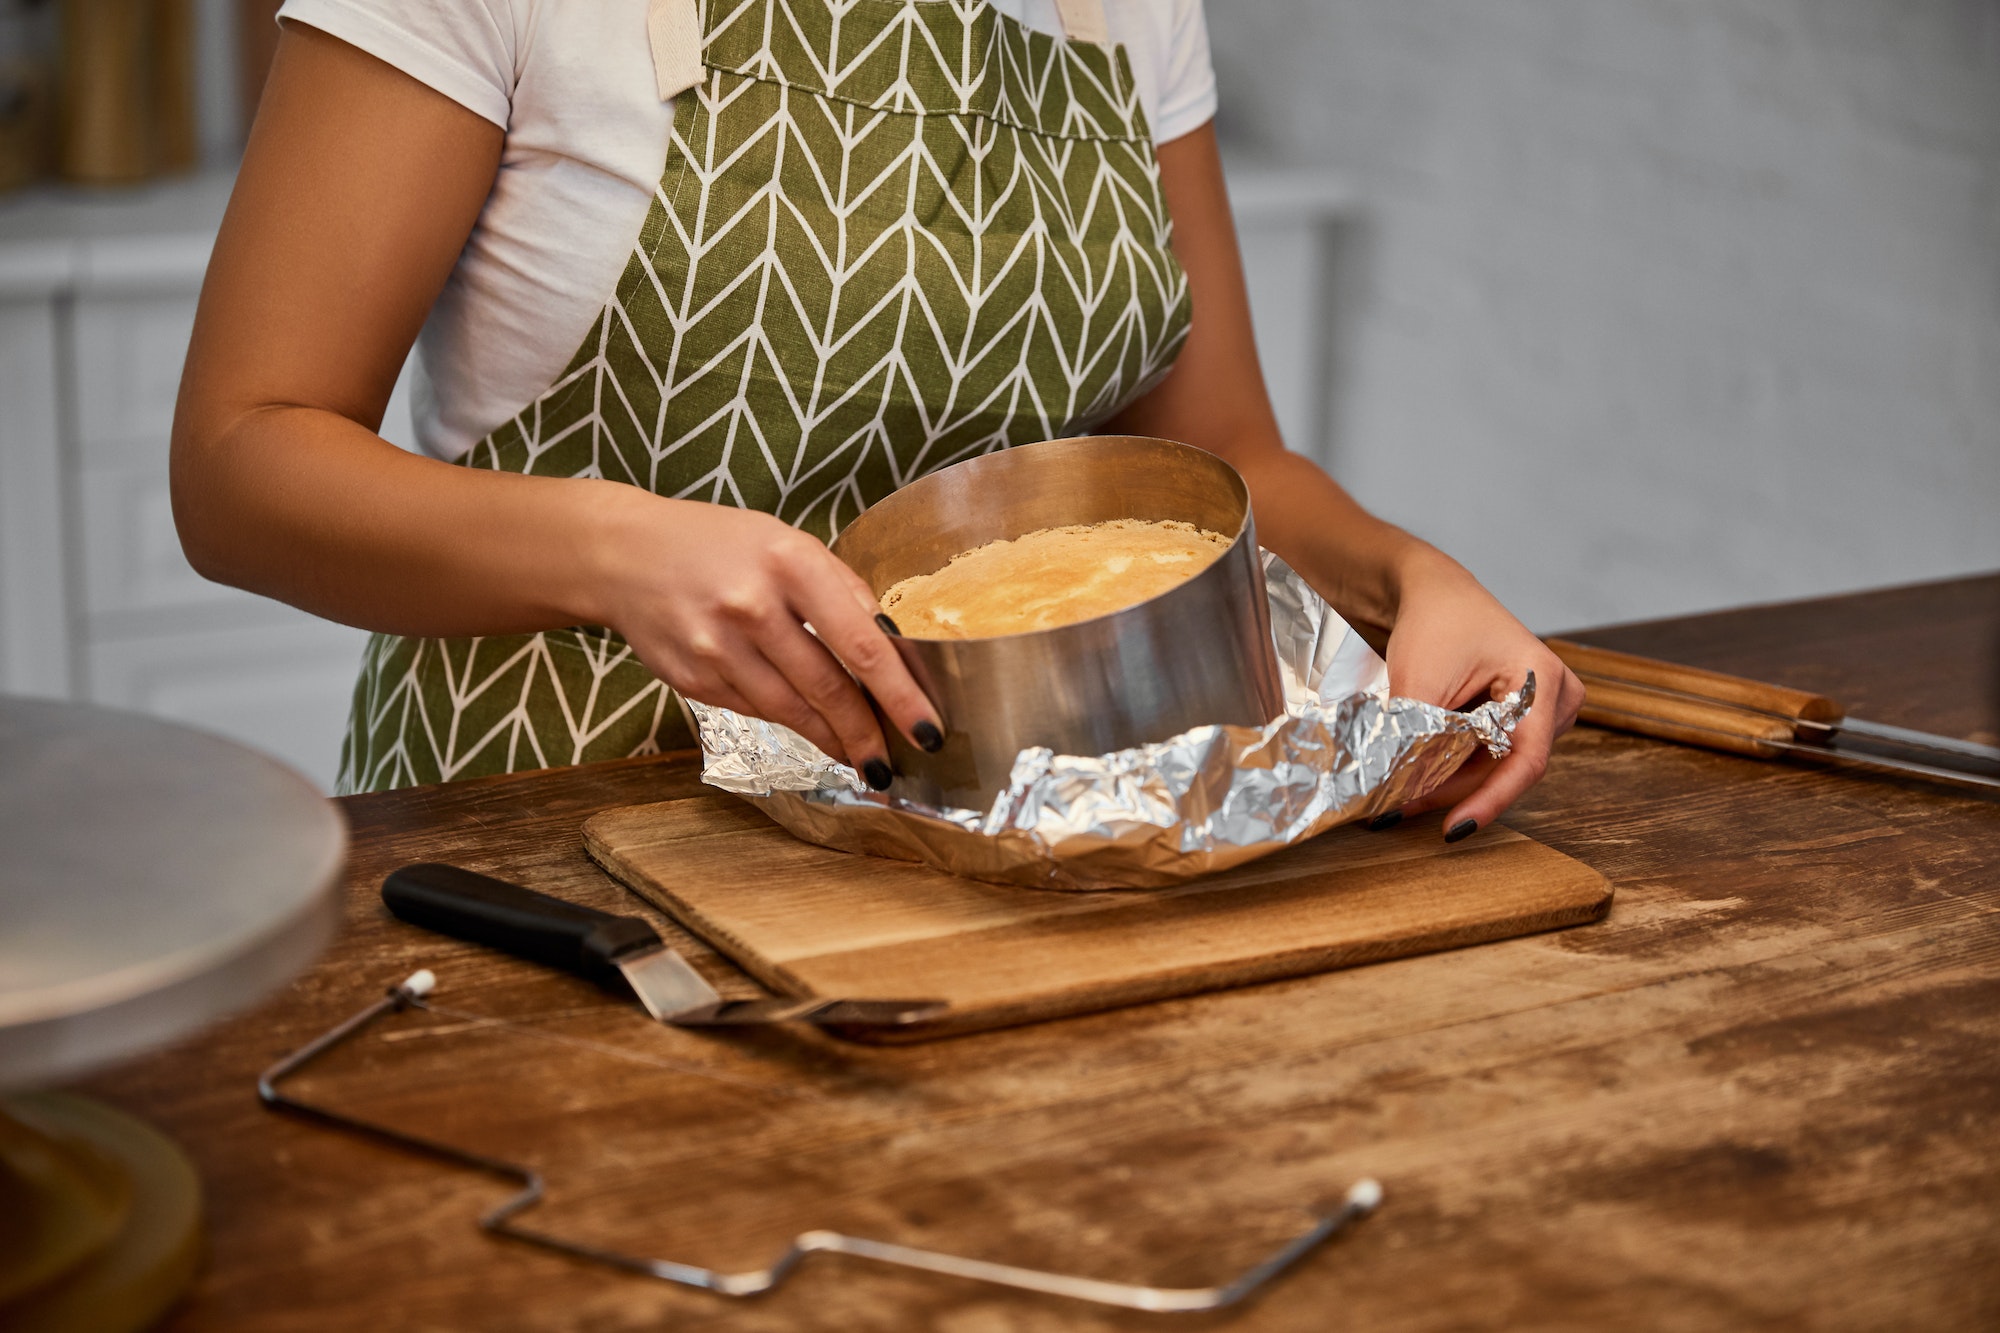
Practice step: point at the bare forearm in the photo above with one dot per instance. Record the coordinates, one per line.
(1359, 563)
(1215, 398)
(313, 509)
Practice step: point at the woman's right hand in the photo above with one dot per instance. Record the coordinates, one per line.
(715, 600)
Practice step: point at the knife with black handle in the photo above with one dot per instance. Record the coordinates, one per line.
(605, 947)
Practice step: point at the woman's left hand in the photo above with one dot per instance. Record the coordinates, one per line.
(1453, 644)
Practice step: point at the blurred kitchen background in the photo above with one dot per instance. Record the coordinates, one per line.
(1638, 307)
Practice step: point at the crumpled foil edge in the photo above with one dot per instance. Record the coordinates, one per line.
(1154, 815)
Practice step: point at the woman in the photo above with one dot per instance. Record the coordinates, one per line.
(874, 237)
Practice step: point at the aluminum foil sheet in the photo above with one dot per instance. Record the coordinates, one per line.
(1158, 814)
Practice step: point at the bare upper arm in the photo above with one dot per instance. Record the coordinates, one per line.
(1215, 396)
(357, 192)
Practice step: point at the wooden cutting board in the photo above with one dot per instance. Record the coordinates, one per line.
(805, 920)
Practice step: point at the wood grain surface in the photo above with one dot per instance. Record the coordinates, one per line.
(808, 921)
(1674, 702)
(1756, 695)
(1764, 1092)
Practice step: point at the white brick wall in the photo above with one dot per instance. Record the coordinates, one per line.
(1666, 304)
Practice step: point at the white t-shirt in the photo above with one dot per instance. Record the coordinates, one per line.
(571, 82)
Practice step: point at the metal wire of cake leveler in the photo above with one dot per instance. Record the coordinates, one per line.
(1361, 1200)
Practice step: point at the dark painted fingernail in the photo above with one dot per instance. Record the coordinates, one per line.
(1387, 821)
(888, 625)
(928, 736)
(878, 774)
(1463, 829)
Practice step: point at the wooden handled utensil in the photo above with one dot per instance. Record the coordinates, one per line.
(1667, 701)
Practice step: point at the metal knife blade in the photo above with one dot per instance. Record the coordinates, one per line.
(1881, 733)
(665, 982)
(674, 992)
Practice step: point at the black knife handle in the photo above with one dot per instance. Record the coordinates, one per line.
(470, 906)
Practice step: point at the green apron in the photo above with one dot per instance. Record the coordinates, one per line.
(890, 235)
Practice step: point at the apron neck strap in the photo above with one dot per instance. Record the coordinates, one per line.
(673, 29)
(1083, 21)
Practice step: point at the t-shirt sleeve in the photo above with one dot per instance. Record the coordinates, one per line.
(464, 49)
(1187, 90)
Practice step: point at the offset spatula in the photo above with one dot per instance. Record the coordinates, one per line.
(1679, 703)
(603, 947)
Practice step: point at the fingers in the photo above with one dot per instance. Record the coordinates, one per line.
(1520, 770)
(844, 613)
(756, 688)
(785, 634)
(738, 609)
(1484, 787)
(824, 686)
(1554, 712)
(761, 652)
(1475, 772)
(1467, 780)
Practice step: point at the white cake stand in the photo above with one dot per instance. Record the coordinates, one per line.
(152, 879)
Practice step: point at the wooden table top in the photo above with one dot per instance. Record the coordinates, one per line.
(1764, 1092)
